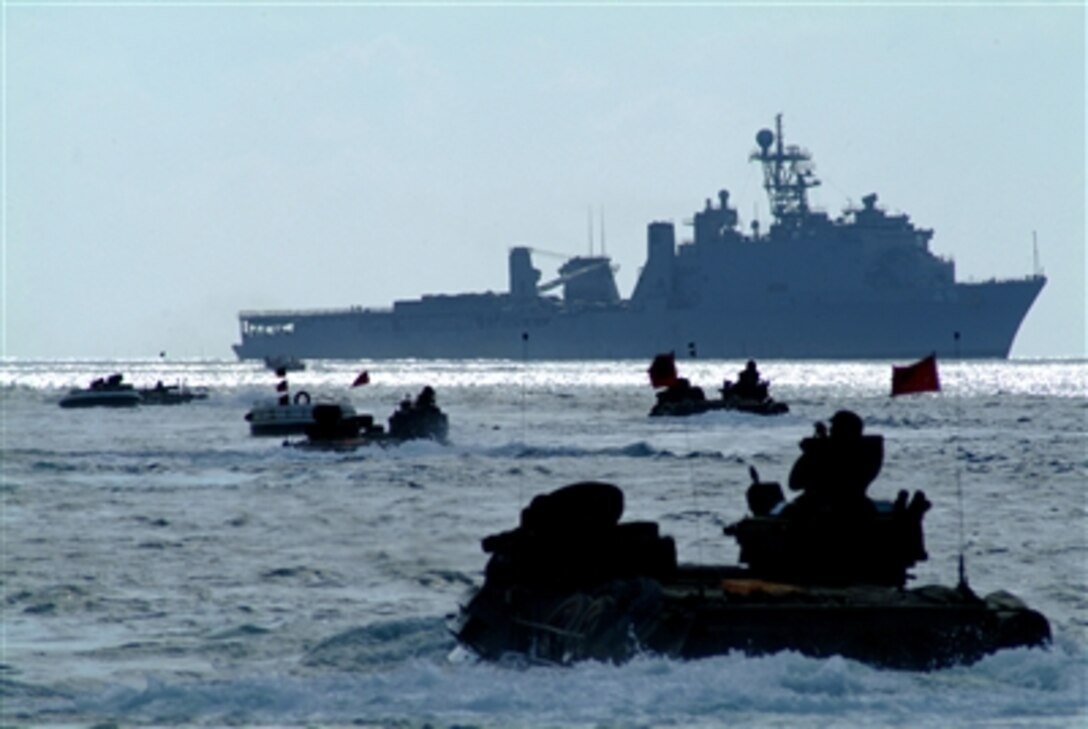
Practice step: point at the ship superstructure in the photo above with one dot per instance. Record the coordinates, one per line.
(862, 285)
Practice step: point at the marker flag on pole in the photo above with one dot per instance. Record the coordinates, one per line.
(663, 370)
(362, 379)
(918, 377)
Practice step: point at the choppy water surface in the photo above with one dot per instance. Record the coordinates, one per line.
(162, 566)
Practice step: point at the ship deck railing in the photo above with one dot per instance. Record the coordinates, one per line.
(289, 313)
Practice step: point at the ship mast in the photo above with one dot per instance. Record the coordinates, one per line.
(787, 173)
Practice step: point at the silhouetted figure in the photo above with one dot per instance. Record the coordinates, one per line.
(748, 386)
(835, 469)
(113, 382)
(846, 425)
(833, 533)
(426, 399)
(748, 378)
(421, 418)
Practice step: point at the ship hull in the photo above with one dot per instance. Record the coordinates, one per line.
(985, 316)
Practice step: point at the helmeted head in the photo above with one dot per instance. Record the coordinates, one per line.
(846, 424)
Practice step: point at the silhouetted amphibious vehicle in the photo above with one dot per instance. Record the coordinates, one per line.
(418, 419)
(825, 575)
(676, 396)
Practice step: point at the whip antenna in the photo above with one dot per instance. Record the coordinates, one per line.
(524, 445)
(959, 468)
(691, 476)
(694, 494)
(959, 506)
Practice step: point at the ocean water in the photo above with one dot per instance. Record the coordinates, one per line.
(160, 566)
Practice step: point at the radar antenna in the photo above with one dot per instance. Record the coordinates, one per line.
(787, 173)
(589, 227)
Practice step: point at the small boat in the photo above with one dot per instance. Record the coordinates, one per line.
(290, 416)
(162, 394)
(418, 419)
(103, 392)
(676, 396)
(822, 575)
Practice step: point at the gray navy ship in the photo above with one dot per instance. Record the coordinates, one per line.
(864, 285)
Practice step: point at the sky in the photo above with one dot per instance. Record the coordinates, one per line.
(166, 165)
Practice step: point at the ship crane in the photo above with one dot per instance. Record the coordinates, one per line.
(549, 254)
(590, 266)
(585, 265)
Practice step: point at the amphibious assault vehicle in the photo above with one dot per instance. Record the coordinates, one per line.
(822, 574)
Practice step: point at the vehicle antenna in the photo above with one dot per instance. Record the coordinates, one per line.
(697, 512)
(959, 468)
(524, 442)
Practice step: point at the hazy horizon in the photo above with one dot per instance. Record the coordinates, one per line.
(166, 166)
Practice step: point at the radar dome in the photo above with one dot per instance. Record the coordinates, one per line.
(764, 138)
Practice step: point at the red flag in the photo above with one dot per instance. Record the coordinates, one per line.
(362, 379)
(663, 370)
(918, 377)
